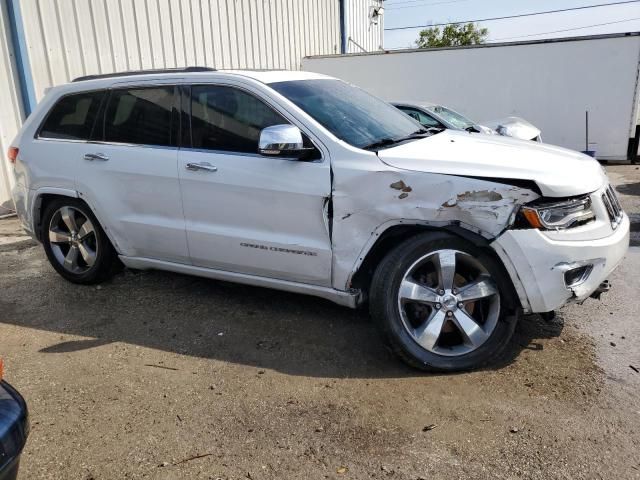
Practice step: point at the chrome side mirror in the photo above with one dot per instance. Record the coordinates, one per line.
(283, 141)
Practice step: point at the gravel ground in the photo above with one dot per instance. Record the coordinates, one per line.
(164, 376)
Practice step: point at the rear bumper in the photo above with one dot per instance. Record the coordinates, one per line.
(21, 199)
(537, 265)
(14, 429)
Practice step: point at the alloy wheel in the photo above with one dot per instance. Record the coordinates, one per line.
(449, 303)
(73, 240)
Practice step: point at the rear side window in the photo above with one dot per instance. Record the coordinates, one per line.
(72, 117)
(228, 119)
(140, 116)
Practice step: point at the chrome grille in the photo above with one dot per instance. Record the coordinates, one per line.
(612, 204)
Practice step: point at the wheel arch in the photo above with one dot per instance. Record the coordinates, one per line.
(386, 237)
(41, 198)
(44, 196)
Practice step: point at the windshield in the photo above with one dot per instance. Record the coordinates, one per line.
(454, 118)
(348, 112)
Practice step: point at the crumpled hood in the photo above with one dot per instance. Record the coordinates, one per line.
(558, 172)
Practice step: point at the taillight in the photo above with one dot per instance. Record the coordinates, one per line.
(1, 369)
(13, 154)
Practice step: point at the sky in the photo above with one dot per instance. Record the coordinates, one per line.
(398, 13)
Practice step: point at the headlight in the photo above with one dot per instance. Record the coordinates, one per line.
(559, 215)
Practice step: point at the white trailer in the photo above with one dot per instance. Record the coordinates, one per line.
(551, 83)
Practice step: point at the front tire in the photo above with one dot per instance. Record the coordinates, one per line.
(75, 244)
(443, 304)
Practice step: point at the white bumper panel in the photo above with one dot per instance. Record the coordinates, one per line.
(537, 264)
(21, 198)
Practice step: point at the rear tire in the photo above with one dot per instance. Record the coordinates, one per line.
(75, 243)
(443, 304)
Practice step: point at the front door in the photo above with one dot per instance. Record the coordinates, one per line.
(245, 212)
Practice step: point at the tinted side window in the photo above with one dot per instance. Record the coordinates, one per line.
(72, 118)
(140, 116)
(423, 118)
(225, 118)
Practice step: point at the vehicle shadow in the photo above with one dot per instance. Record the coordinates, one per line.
(629, 188)
(268, 329)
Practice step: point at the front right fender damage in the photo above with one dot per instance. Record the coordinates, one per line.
(369, 202)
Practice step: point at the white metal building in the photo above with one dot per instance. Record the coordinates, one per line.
(48, 42)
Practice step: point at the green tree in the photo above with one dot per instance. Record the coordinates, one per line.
(452, 36)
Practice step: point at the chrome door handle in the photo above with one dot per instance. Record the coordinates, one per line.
(96, 156)
(206, 166)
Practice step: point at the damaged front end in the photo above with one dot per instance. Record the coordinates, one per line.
(564, 251)
(526, 202)
(555, 250)
(368, 203)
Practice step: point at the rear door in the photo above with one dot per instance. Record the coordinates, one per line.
(128, 172)
(245, 212)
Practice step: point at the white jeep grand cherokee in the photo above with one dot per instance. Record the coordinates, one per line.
(302, 182)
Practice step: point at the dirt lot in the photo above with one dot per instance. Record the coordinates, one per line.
(138, 377)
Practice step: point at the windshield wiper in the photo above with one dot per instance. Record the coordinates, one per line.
(417, 134)
(387, 142)
(384, 142)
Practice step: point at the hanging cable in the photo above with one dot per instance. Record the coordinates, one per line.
(564, 30)
(514, 16)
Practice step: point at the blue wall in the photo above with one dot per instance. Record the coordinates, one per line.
(22, 59)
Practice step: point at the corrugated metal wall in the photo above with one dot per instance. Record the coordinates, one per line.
(65, 39)
(10, 107)
(70, 38)
(362, 33)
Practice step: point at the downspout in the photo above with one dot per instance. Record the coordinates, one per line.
(343, 27)
(23, 67)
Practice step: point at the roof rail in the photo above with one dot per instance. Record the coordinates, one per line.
(145, 72)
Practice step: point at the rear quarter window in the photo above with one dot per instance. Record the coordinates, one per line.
(72, 117)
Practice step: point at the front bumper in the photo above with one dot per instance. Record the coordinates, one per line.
(14, 429)
(537, 264)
